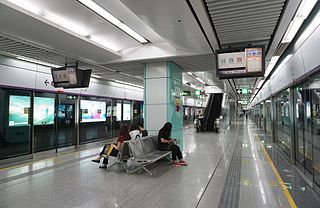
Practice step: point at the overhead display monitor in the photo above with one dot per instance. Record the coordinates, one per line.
(43, 111)
(240, 63)
(19, 110)
(92, 111)
(70, 77)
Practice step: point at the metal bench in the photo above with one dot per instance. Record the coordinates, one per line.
(121, 158)
(143, 152)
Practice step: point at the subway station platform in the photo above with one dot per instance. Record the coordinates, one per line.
(236, 168)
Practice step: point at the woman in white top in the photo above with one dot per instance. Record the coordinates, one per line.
(135, 132)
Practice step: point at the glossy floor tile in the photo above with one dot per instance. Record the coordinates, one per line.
(228, 169)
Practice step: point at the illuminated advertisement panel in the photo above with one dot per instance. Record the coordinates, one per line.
(18, 110)
(43, 111)
(92, 111)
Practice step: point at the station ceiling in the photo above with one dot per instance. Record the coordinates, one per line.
(186, 32)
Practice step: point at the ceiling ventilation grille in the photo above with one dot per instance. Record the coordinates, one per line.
(17, 48)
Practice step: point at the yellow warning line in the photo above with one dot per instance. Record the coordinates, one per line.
(275, 171)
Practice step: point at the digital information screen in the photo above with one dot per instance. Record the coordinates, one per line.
(92, 111)
(19, 110)
(43, 111)
(65, 77)
(248, 62)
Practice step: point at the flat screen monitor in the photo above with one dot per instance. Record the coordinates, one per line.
(19, 110)
(65, 77)
(240, 63)
(70, 77)
(92, 111)
(43, 111)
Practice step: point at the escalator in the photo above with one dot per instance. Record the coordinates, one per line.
(212, 112)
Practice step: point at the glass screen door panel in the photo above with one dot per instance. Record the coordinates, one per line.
(15, 125)
(44, 121)
(66, 132)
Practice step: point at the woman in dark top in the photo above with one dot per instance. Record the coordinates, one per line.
(142, 130)
(124, 135)
(165, 143)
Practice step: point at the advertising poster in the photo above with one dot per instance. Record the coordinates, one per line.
(118, 112)
(43, 111)
(126, 111)
(18, 110)
(92, 111)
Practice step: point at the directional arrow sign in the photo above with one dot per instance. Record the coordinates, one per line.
(46, 82)
(239, 91)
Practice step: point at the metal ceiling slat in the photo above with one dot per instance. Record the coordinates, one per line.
(246, 8)
(271, 12)
(243, 36)
(248, 29)
(10, 45)
(227, 3)
(252, 31)
(243, 40)
(247, 19)
(244, 27)
(240, 24)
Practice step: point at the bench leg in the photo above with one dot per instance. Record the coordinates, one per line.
(144, 168)
(110, 166)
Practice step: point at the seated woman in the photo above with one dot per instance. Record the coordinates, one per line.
(135, 132)
(142, 130)
(165, 143)
(124, 135)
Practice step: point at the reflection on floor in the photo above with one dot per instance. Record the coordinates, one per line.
(228, 169)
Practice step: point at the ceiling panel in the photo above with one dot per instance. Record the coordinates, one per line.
(244, 22)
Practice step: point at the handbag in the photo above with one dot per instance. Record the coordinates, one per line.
(109, 150)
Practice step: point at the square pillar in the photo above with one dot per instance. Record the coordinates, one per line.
(162, 98)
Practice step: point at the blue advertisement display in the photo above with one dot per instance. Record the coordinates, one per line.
(43, 111)
(18, 110)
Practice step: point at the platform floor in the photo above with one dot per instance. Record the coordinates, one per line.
(229, 169)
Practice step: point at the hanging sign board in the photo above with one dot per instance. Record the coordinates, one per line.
(240, 63)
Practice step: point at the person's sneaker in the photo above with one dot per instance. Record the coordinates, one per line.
(103, 166)
(184, 163)
(175, 164)
(96, 161)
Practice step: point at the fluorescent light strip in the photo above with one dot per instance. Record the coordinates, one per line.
(115, 21)
(57, 19)
(272, 63)
(96, 76)
(302, 13)
(69, 25)
(197, 78)
(292, 30)
(305, 9)
(260, 84)
(27, 6)
(37, 62)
